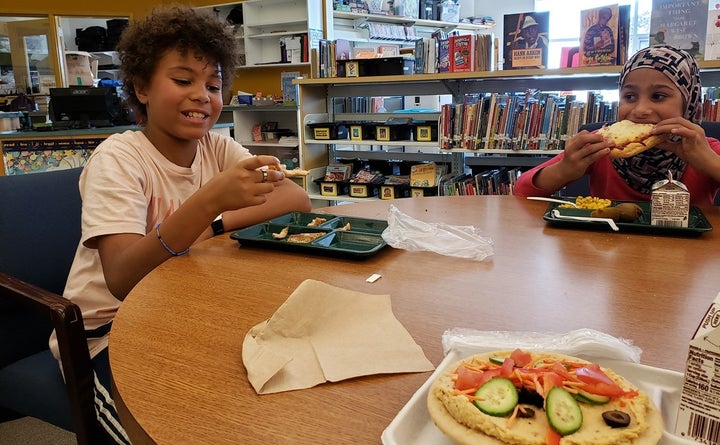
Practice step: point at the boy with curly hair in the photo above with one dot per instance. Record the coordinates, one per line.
(149, 194)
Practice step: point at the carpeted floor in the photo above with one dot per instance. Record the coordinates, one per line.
(30, 431)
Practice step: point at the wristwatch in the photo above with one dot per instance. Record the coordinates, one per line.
(217, 225)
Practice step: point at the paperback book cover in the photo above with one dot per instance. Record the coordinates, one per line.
(682, 24)
(712, 37)
(623, 38)
(443, 51)
(599, 36)
(462, 50)
(525, 40)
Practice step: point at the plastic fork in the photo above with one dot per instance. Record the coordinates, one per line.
(556, 213)
(560, 201)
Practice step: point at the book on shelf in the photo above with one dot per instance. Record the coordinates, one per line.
(289, 90)
(682, 24)
(443, 51)
(525, 40)
(338, 172)
(462, 53)
(599, 36)
(485, 52)
(712, 34)
(623, 40)
(520, 121)
(342, 53)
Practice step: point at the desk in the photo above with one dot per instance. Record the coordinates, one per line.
(175, 346)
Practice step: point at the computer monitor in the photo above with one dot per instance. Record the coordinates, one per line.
(84, 107)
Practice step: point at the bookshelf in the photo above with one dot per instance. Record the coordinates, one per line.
(316, 105)
(267, 23)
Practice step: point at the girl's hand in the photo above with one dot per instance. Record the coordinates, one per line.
(687, 140)
(581, 151)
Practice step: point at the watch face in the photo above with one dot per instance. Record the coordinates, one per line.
(217, 226)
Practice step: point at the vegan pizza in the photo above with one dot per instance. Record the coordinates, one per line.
(527, 398)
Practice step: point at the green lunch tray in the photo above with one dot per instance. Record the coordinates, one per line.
(697, 224)
(362, 237)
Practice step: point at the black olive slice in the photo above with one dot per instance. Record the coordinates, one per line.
(525, 412)
(616, 419)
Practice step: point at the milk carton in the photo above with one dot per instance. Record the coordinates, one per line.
(698, 416)
(670, 206)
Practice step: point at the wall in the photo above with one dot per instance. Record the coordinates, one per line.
(247, 80)
(266, 81)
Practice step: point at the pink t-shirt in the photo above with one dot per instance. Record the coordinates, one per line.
(605, 182)
(128, 186)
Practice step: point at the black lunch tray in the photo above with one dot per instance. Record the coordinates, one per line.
(697, 223)
(361, 240)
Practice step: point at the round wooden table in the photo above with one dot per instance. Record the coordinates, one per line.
(175, 345)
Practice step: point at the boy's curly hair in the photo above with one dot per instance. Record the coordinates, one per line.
(174, 27)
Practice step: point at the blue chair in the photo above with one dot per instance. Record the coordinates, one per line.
(581, 187)
(39, 231)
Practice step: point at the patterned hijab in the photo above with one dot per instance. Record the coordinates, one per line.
(643, 170)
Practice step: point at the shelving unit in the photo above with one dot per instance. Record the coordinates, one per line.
(266, 22)
(354, 26)
(315, 105)
(246, 117)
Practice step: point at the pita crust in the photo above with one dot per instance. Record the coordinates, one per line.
(630, 138)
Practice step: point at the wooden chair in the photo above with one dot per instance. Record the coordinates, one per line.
(39, 232)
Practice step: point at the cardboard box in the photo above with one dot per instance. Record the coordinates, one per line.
(698, 415)
(81, 68)
(670, 204)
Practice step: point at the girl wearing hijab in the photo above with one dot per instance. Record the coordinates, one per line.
(658, 85)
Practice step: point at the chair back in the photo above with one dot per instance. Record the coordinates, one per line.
(40, 226)
(39, 232)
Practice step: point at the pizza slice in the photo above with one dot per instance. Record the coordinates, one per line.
(528, 398)
(630, 138)
(290, 173)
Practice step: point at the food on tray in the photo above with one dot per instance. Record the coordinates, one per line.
(281, 234)
(588, 202)
(346, 227)
(304, 238)
(290, 173)
(317, 221)
(520, 397)
(630, 138)
(623, 212)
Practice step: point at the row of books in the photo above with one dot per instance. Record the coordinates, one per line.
(453, 53)
(331, 57)
(499, 181)
(518, 121)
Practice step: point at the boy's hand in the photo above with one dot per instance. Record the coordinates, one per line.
(244, 185)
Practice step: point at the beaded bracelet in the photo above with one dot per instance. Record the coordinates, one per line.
(168, 248)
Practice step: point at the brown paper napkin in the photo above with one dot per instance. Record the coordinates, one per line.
(326, 333)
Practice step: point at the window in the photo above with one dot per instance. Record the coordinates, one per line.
(565, 23)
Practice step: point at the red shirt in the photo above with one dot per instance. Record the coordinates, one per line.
(605, 182)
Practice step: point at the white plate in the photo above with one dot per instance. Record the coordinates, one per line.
(413, 425)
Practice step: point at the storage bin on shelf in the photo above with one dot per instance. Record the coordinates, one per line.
(329, 130)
